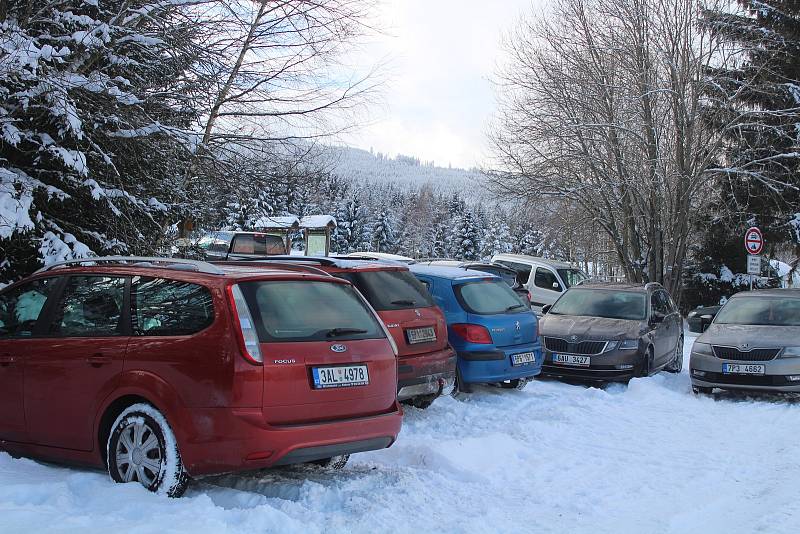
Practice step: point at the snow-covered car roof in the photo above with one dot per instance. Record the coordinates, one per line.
(523, 258)
(379, 255)
(450, 273)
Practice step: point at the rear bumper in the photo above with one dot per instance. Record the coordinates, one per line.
(224, 440)
(426, 385)
(309, 454)
(426, 374)
(488, 366)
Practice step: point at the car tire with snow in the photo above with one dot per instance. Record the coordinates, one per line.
(422, 401)
(646, 366)
(460, 386)
(676, 365)
(517, 383)
(142, 448)
(335, 462)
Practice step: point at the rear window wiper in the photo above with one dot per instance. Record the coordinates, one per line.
(404, 302)
(515, 306)
(335, 332)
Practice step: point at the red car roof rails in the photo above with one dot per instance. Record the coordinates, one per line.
(298, 259)
(268, 262)
(140, 261)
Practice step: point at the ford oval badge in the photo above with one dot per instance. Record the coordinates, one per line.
(338, 348)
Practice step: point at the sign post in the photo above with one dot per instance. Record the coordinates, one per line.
(754, 244)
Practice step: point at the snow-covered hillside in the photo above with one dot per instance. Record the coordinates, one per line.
(651, 457)
(405, 171)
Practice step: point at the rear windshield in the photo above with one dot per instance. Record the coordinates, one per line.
(309, 311)
(390, 290)
(508, 276)
(218, 242)
(626, 305)
(258, 244)
(489, 297)
(760, 311)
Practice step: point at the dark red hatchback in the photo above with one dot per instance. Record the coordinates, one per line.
(426, 361)
(160, 369)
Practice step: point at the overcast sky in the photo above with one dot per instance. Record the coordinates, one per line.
(438, 99)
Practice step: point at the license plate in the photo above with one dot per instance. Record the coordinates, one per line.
(344, 376)
(571, 359)
(421, 335)
(523, 357)
(743, 369)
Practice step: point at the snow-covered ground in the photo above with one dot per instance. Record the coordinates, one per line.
(552, 458)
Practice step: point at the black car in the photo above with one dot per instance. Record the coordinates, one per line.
(612, 332)
(695, 319)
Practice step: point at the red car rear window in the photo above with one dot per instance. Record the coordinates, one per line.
(390, 290)
(309, 311)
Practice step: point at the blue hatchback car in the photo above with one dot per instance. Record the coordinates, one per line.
(494, 333)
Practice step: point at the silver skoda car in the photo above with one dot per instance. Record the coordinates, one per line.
(753, 343)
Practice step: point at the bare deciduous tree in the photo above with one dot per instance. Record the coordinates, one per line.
(601, 106)
(277, 72)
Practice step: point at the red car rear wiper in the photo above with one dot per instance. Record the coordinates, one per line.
(335, 332)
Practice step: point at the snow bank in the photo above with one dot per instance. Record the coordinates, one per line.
(552, 458)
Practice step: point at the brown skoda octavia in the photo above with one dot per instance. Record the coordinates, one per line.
(611, 332)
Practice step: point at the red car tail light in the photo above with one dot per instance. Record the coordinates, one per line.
(473, 333)
(248, 337)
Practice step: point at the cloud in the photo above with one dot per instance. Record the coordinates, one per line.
(438, 98)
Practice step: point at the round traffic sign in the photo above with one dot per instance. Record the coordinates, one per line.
(754, 240)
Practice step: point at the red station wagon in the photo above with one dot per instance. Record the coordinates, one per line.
(426, 361)
(160, 369)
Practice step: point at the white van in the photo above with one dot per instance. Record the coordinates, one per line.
(544, 279)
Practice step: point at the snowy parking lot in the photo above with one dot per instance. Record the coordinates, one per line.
(650, 457)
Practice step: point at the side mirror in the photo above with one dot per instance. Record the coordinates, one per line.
(546, 308)
(705, 322)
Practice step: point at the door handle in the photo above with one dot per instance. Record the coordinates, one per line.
(96, 360)
(7, 359)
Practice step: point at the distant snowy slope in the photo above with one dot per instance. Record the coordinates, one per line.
(366, 167)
